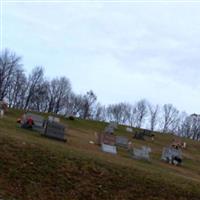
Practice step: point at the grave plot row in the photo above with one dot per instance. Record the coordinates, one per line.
(50, 128)
(119, 141)
(30, 120)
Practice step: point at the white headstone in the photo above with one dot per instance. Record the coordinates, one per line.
(109, 149)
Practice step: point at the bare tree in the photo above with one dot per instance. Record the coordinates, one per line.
(191, 127)
(59, 94)
(118, 112)
(34, 82)
(39, 101)
(153, 116)
(88, 101)
(74, 105)
(16, 89)
(9, 64)
(170, 118)
(99, 112)
(140, 112)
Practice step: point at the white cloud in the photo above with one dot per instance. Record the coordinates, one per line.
(122, 52)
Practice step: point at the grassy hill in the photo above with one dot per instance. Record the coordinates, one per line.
(34, 167)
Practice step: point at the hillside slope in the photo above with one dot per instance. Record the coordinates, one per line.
(34, 167)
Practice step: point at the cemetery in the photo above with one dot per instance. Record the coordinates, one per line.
(108, 159)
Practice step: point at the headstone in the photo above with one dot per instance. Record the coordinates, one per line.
(128, 129)
(37, 119)
(122, 141)
(55, 130)
(172, 155)
(142, 154)
(53, 119)
(109, 148)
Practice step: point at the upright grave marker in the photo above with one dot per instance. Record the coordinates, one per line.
(55, 130)
(38, 121)
(122, 141)
(109, 148)
(172, 155)
(142, 154)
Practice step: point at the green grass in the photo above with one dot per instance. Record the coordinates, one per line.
(34, 167)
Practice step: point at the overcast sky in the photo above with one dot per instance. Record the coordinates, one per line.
(122, 51)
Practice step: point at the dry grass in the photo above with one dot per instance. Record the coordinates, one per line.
(33, 167)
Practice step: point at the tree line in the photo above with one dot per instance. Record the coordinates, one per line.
(37, 93)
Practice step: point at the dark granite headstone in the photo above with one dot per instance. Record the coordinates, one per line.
(55, 130)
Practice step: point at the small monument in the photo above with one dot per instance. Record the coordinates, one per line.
(109, 148)
(172, 155)
(55, 130)
(142, 154)
(38, 121)
(122, 141)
